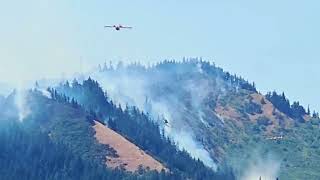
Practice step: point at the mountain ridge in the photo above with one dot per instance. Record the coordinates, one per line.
(188, 95)
(196, 112)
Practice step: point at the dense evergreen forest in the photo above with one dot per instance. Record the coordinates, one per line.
(139, 129)
(294, 110)
(55, 141)
(29, 154)
(31, 150)
(225, 113)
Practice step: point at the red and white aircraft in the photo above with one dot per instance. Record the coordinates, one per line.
(118, 27)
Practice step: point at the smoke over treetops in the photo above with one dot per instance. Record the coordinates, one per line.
(180, 96)
(213, 115)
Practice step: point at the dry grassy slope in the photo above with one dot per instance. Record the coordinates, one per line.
(269, 111)
(296, 146)
(130, 156)
(230, 112)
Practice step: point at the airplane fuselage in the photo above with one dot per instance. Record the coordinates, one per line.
(118, 27)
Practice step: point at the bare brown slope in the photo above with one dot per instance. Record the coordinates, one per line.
(269, 111)
(277, 118)
(130, 156)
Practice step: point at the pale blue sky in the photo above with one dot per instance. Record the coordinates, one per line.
(274, 43)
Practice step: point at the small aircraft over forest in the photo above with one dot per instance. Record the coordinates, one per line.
(118, 27)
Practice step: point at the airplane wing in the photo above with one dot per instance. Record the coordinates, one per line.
(128, 27)
(108, 26)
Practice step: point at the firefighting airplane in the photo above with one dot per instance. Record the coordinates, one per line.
(118, 27)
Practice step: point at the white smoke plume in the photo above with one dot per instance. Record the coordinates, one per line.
(21, 104)
(20, 98)
(45, 93)
(185, 140)
(129, 88)
(182, 134)
(266, 168)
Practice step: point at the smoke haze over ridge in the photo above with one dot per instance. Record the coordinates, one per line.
(255, 39)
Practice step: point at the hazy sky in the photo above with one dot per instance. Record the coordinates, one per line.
(274, 43)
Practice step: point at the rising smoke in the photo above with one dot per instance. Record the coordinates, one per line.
(21, 104)
(20, 96)
(135, 87)
(266, 167)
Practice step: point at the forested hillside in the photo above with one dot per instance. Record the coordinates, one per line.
(193, 118)
(217, 116)
(57, 138)
(140, 129)
(29, 154)
(32, 150)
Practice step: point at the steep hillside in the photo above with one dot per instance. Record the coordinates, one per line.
(129, 156)
(57, 124)
(138, 128)
(47, 143)
(30, 154)
(214, 115)
(56, 140)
